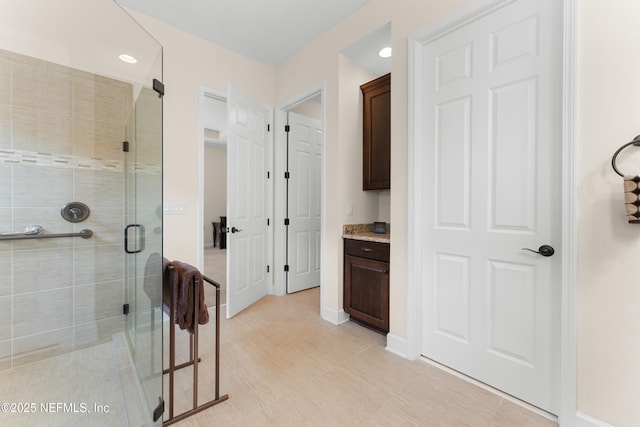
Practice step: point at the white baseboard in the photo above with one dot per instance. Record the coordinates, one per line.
(584, 420)
(337, 317)
(397, 345)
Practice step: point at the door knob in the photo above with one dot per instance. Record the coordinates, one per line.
(544, 250)
(235, 230)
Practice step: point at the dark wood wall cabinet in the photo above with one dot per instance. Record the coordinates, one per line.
(376, 170)
(366, 282)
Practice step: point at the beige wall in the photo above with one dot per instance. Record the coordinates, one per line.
(188, 63)
(609, 248)
(609, 347)
(321, 61)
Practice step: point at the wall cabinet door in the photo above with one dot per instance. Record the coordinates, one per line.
(376, 168)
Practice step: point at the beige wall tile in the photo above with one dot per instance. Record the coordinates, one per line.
(37, 87)
(99, 101)
(42, 269)
(40, 186)
(97, 302)
(38, 312)
(98, 140)
(5, 319)
(5, 188)
(50, 220)
(5, 81)
(46, 108)
(99, 188)
(98, 264)
(42, 131)
(5, 266)
(5, 225)
(5, 125)
(42, 346)
(107, 225)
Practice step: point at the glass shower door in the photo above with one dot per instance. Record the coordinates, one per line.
(143, 245)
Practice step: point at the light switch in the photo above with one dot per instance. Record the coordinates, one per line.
(178, 208)
(349, 208)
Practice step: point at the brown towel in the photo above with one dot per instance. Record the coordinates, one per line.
(632, 198)
(181, 282)
(169, 288)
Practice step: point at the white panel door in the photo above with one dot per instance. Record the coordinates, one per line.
(247, 141)
(304, 202)
(492, 186)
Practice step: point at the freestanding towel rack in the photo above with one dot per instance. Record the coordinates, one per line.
(193, 354)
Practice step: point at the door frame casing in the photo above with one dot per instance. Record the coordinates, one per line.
(279, 213)
(411, 348)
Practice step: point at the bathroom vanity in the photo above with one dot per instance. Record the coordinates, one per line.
(366, 277)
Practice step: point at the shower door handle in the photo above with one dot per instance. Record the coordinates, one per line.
(139, 241)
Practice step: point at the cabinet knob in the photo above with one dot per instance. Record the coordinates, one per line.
(366, 249)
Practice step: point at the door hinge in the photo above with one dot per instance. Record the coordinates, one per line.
(268, 127)
(125, 309)
(286, 221)
(287, 175)
(286, 267)
(158, 86)
(125, 146)
(268, 222)
(268, 269)
(268, 175)
(287, 128)
(157, 413)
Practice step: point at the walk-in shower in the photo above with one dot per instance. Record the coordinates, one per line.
(80, 216)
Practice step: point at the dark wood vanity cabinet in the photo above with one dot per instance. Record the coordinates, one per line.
(366, 282)
(376, 168)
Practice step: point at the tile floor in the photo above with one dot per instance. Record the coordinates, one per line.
(215, 267)
(81, 388)
(282, 365)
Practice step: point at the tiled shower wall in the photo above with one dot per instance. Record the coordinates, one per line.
(61, 133)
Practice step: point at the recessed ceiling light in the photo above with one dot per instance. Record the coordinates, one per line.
(128, 59)
(385, 52)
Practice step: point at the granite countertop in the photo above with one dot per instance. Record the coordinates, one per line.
(363, 232)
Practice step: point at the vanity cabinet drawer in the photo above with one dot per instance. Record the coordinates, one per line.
(365, 249)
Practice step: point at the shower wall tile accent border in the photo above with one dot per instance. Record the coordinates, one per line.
(19, 157)
(32, 158)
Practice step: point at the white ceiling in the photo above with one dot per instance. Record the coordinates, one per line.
(365, 51)
(268, 31)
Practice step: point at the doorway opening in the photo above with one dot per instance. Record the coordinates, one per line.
(214, 126)
(239, 227)
(299, 193)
